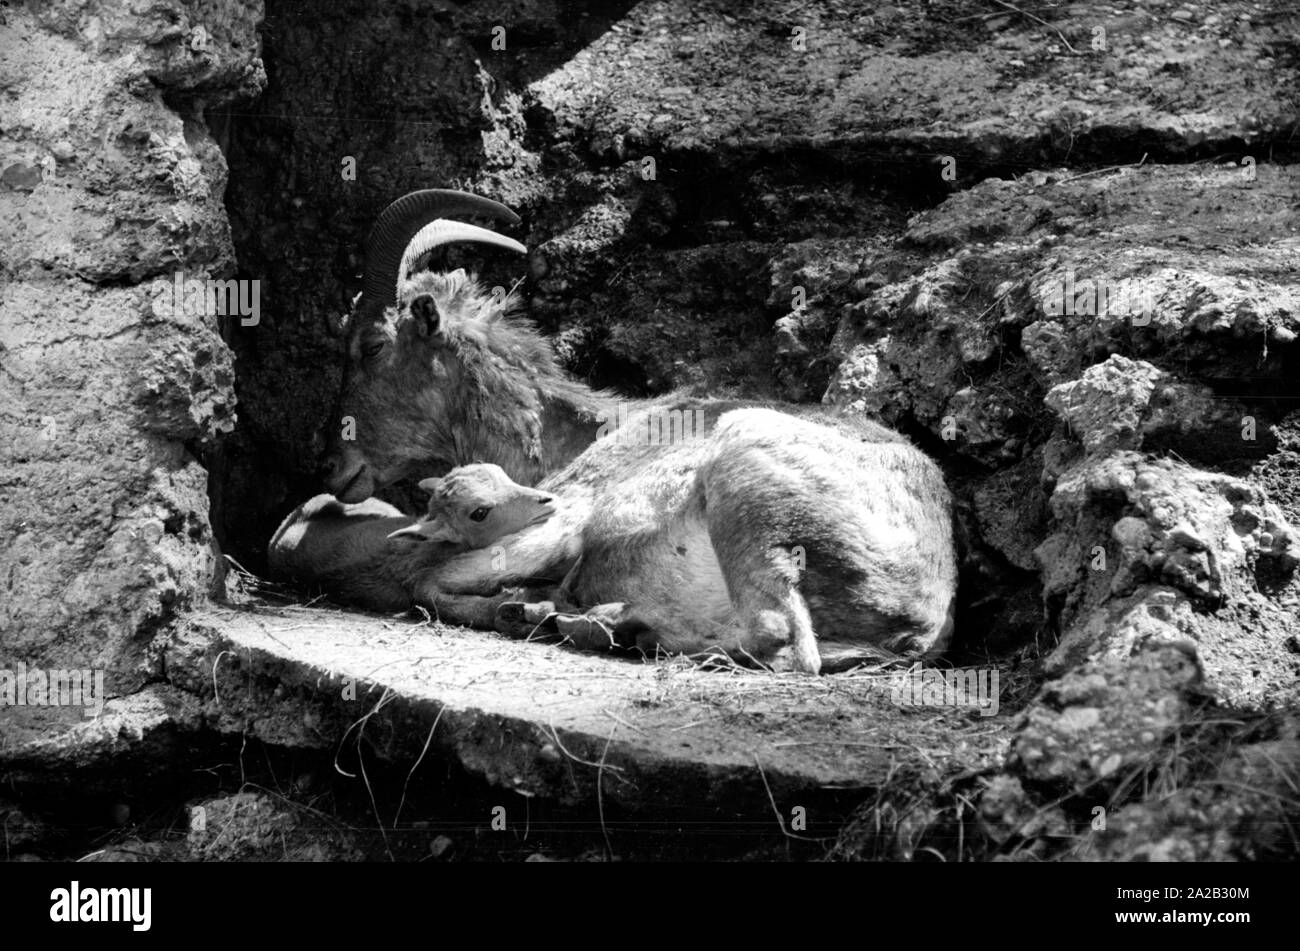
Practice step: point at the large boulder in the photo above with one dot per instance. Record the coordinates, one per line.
(112, 185)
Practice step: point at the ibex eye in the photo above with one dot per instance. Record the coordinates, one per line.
(371, 349)
(479, 514)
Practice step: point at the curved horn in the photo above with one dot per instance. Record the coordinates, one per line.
(441, 232)
(398, 223)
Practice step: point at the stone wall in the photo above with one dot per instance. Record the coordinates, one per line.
(109, 180)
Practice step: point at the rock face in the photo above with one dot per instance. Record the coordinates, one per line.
(111, 180)
(1190, 559)
(252, 826)
(1060, 256)
(414, 96)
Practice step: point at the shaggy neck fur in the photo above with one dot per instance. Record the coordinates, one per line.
(507, 401)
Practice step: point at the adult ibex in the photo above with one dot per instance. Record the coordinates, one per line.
(789, 534)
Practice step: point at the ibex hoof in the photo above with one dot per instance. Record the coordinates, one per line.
(525, 618)
(790, 647)
(511, 612)
(587, 633)
(792, 661)
(537, 612)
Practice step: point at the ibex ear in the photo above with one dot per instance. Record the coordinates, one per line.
(428, 322)
(433, 531)
(430, 485)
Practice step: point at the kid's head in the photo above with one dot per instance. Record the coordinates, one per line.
(477, 504)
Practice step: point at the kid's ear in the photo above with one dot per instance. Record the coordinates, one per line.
(411, 531)
(428, 322)
(431, 531)
(430, 485)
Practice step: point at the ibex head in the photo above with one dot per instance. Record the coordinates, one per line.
(417, 343)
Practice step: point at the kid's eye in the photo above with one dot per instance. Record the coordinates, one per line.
(479, 514)
(371, 349)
